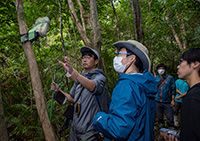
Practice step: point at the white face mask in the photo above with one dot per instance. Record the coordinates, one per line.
(161, 71)
(117, 64)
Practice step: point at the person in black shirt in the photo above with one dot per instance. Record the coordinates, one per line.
(189, 70)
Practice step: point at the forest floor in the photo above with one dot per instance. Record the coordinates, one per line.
(157, 130)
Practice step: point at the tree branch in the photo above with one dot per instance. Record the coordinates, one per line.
(84, 16)
(175, 35)
(78, 25)
(198, 1)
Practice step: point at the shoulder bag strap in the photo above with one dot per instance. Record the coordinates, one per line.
(79, 95)
(163, 82)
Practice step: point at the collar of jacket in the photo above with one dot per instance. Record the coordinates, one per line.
(164, 76)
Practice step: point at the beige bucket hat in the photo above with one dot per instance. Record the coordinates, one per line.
(138, 49)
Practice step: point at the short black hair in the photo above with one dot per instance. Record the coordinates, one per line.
(191, 55)
(90, 53)
(161, 65)
(138, 62)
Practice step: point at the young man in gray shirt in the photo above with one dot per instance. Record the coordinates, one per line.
(89, 83)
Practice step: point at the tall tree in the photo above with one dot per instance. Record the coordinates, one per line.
(94, 40)
(35, 77)
(116, 20)
(137, 20)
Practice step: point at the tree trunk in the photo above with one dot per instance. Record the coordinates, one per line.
(3, 129)
(35, 78)
(61, 28)
(137, 20)
(96, 30)
(95, 35)
(84, 16)
(176, 38)
(62, 40)
(81, 31)
(116, 19)
(140, 30)
(134, 20)
(183, 32)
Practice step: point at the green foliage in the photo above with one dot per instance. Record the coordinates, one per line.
(18, 99)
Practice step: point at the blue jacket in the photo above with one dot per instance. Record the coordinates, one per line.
(132, 109)
(167, 90)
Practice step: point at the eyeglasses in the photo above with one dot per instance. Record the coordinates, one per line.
(86, 57)
(128, 54)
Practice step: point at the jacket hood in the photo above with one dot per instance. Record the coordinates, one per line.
(144, 80)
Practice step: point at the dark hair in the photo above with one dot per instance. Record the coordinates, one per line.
(191, 55)
(90, 53)
(161, 65)
(138, 62)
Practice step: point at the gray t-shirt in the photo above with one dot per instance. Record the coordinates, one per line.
(83, 122)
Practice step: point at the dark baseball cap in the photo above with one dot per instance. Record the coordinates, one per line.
(87, 49)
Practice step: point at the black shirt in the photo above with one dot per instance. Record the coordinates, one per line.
(190, 115)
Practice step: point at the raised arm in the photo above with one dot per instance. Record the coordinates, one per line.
(74, 75)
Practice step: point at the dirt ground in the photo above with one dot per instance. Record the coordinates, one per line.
(157, 131)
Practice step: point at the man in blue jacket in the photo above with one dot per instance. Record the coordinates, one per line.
(165, 96)
(132, 109)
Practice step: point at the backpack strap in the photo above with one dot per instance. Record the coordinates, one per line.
(105, 90)
(163, 82)
(98, 102)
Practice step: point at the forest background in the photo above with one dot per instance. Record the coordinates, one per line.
(166, 28)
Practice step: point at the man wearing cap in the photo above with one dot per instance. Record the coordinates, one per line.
(165, 96)
(89, 83)
(132, 109)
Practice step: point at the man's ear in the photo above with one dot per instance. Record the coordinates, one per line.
(133, 58)
(196, 64)
(96, 61)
